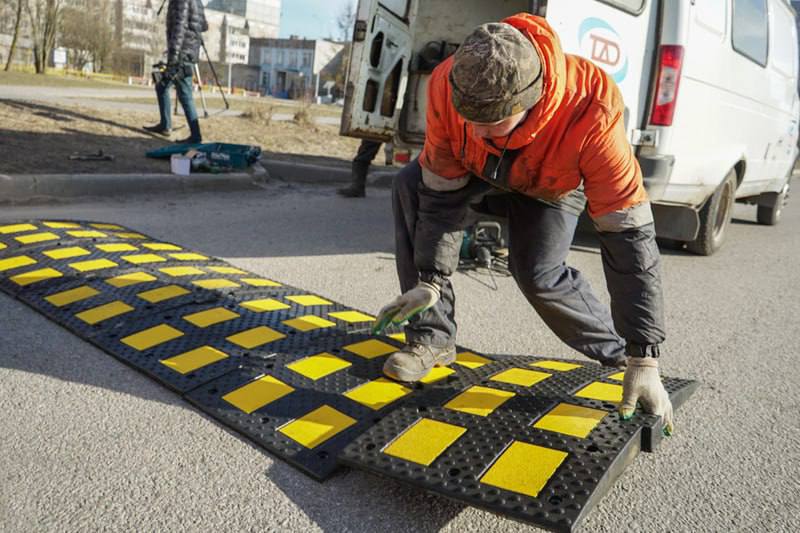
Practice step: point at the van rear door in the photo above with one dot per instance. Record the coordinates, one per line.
(378, 67)
(620, 37)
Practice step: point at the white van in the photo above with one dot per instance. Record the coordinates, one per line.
(710, 88)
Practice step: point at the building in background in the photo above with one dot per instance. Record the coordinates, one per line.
(263, 16)
(23, 54)
(293, 68)
(139, 35)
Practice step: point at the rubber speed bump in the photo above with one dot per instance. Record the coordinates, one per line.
(318, 426)
(423, 442)
(524, 468)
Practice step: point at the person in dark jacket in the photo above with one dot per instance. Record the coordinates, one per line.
(186, 20)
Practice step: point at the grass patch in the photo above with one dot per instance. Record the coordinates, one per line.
(54, 80)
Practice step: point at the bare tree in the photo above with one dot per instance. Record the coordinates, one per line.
(17, 24)
(88, 33)
(44, 18)
(346, 20)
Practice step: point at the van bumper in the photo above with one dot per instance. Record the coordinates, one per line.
(677, 222)
(656, 171)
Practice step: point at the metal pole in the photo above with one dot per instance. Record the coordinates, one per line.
(214, 72)
(230, 77)
(200, 89)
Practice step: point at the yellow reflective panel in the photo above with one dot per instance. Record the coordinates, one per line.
(61, 225)
(571, 420)
(371, 348)
(561, 366)
(177, 272)
(130, 235)
(16, 262)
(17, 228)
(317, 426)
(424, 441)
(3, 246)
(377, 394)
(209, 317)
(105, 226)
(309, 323)
(161, 294)
(521, 377)
(258, 282)
(194, 359)
(308, 299)
(66, 253)
(254, 337)
(35, 276)
(605, 392)
(437, 373)
(318, 366)
(96, 264)
(471, 360)
(87, 234)
(263, 306)
(152, 337)
(352, 316)
(226, 270)
(215, 283)
(189, 257)
(104, 312)
(60, 299)
(134, 278)
(524, 468)
(117, 247)
(161, 246)
(37, 237)
(398, 337)
(479, 401)
(619, 376)
(140, 259)
(257, 394)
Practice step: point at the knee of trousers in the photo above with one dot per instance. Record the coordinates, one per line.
(542, 283)
(406, 182)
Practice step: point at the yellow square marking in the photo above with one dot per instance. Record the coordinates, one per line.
(481, 401)
(117, 247)
(66, 253)
(87, 234)
(471, 360)
(152, 337)
(60, 299)
(556, 365)
(521, 377)
(424, 441)
(37, 237)
(398, 337)
(226, 270)
(352, 316)
(35, 276)
(257, 394)
(194, 359)
(209, 317)
(161, 294)
(177, 272)
(161, 247)
(317, 426)
(263, 306)
(377, 394)
(134, 278)
(17, 228)
(258, 336)
(61, 225)
(16, 262)
(309, 323)
(3, 246)
(215, 283)
(104, 312)
(524, 468)
(106, 226)
(605, 392)
(189, 257)
(259, 282)
(619, 376)
(370, 349)
(571, 420)
(141, 259)
(130, 235)
(96, 264)
(437, 373)
(308, 299)
(318, 366)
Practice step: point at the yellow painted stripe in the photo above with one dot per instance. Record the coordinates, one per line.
(17, 228)
(106, 226)
(308, 299)
(161, 294)
(471, 360)
(377, 394)
(60, 299)
(61, 225)
(605, 392)
(263, 306)
(216, 283)
(66, 253)
(352, 316)
(318, 366)
(177, 272)
(3, 246)
(189, 257)
(318, 426)
(561, 366)
(477, 400)
(152, 337)
(134, 278)
(117, 247)
(571, 420)
(424, 441)
(437, 373)
(16, 262)
(37, 237)
(254, 337)
(209, 317)
(190, 361)
(371, 348)
(521, 377)
(398, 337)
(226, 270)
(141, 259)
(309, 323)
(95, 264)
(130, 235)
(258, 282)
(257, 394)
(36, 276)
(524, 468)
(161, 246)
(87, 234)
(619, 376)
(104, 312)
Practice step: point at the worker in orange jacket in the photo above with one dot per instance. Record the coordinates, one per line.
(510, 111)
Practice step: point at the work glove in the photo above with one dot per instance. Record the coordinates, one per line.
(407, 305)
(642, 383)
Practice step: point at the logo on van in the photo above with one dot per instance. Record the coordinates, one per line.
(599, 42)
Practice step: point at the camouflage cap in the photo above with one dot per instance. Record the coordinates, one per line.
(496, 73)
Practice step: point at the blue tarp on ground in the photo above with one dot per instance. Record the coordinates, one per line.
(219, 154)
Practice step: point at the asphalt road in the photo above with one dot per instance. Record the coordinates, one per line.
(89, 444)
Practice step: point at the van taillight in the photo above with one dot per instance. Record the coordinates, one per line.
(402, 156)
(669, 78)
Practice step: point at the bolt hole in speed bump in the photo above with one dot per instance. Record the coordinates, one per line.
(532, 438)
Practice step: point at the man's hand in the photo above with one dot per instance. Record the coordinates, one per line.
(173, 72)
(642, 383)
(407, 305)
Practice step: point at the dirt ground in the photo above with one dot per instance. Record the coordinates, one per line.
(38, 138)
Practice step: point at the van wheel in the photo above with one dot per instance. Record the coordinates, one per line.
(771, 215)
(715, 217)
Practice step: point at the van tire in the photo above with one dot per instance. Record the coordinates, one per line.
(771, 215)
(715, 218)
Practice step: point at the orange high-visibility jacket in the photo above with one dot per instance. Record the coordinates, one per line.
(575, 134)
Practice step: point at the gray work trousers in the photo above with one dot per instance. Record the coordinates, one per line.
(540, 235)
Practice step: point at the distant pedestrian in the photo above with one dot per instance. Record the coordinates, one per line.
(366, 154)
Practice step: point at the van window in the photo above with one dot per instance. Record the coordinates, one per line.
(398, 7)
(783, 39)
(750, 29)
(631, 6)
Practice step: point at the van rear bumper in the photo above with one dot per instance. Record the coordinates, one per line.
(678, 222)
(656, 171)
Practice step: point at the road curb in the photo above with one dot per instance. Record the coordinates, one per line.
(291, 171)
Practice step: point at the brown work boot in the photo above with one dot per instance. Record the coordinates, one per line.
(414, 361)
